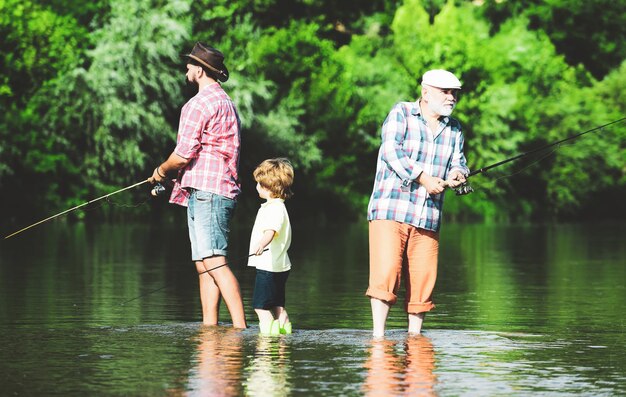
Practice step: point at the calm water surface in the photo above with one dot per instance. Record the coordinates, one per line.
(113, 310)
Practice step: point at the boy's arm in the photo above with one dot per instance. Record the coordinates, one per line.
(267, 238)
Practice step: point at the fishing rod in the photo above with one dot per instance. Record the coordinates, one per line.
(466, 189)
(206, 271)
(77, 207)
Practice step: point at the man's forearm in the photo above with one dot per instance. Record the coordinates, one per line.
(173, 163)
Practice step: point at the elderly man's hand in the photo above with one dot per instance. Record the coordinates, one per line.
(456, 178)
(433, 184)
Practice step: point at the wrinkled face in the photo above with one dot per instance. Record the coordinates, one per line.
(440, 101)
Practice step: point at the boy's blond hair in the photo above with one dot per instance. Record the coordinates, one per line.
(275, 175)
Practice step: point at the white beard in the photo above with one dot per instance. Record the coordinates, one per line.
(441, 109)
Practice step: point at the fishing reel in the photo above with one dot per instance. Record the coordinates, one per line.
(157, 190)
(463, 189)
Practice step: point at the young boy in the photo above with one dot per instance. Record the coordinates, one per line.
(270, 240)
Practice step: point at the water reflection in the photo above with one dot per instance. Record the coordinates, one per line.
(269, 372)
(508, 318)
(225, 365)
(400, 368)
(218, 371)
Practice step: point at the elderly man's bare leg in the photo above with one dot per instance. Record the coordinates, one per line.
(380, 311)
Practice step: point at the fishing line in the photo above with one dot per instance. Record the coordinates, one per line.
(139, 204)
(486, 174)
(465, 188)
(534, 162)
(527, 166)
(206, 271)
(519, 156)
(114, 204)
(158, 190)
(213, 268)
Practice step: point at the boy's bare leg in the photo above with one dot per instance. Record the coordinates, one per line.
(265, 316)
(415, 322)
(209, 296)
(265, 320)
(380, 310)
(228, 287)
(281, 314)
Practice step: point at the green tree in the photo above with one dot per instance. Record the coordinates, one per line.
(271, 72)
(91, 93)
(590, 32)
(350, 96)
(590, 173)
(37, 45)
(112, 119)
(513, 100)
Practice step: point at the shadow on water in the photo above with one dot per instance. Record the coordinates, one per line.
(521, 310)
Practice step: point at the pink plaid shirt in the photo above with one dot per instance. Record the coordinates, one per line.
(208, 135)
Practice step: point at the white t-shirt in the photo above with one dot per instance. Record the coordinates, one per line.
(272, 216)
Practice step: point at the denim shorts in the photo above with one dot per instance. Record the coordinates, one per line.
(208, 217)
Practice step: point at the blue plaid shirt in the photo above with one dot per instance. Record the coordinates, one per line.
(409, 148)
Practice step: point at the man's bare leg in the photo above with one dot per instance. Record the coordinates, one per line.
(228, 287)
(415, 323)
(380, 310)
(209, 296)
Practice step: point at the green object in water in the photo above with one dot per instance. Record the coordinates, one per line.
(286, 328)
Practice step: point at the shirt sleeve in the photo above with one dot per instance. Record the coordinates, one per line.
(393, 135)
(231, 139)
(272, 219)
(459, 163)
(190, 127)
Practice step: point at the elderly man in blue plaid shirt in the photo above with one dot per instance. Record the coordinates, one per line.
(420, 155)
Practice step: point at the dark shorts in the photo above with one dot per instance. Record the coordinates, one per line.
(269, 289)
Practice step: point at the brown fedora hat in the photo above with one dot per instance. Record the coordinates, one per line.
(209, 57)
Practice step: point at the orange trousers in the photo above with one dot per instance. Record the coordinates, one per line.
(395, 249)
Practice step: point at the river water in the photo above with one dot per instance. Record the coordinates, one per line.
(113, 309)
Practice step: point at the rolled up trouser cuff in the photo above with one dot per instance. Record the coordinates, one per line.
(415, 308)
(382, 295)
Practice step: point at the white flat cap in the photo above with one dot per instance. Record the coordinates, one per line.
(441, 79)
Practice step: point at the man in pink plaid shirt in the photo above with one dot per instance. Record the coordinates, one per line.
(205, 162)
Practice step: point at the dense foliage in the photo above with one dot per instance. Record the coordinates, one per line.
(91, 93)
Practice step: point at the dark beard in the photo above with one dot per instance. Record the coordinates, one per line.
(190, 89)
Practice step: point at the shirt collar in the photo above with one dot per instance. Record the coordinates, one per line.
(417, 111)
(210, 87)
(272, 200)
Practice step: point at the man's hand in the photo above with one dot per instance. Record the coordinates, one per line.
(456, 178)
(173, 163)
(433, 184)
(157, 176)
